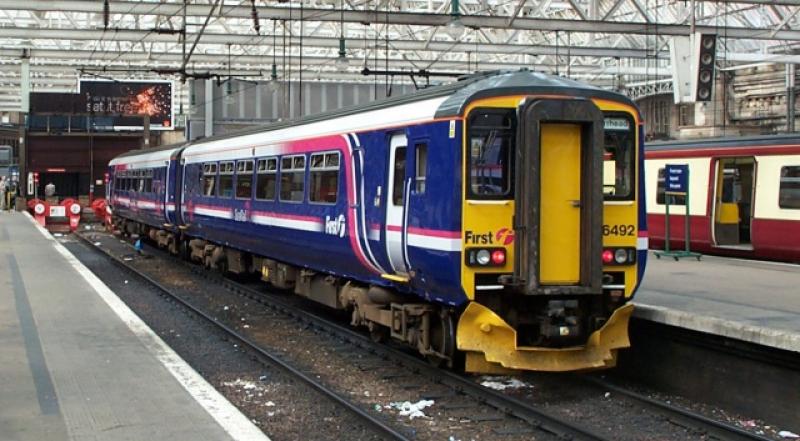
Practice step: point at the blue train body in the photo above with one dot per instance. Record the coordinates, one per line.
(373, 196)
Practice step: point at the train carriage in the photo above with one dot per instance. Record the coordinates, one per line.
(744, 195)
(500, 217)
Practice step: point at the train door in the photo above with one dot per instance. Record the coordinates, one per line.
(560, 217)
(559, 197)
(396, 203)
(733, 202)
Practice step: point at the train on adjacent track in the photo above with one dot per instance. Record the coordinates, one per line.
(744, 196)
(498, 221)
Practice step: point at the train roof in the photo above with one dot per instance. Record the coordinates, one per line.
(147, 157)
(450, 100)
(762, 141)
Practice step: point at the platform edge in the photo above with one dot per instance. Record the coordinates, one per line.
(230, 419)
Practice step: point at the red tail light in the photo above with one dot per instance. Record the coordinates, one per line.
(499, 257)
(608, 256)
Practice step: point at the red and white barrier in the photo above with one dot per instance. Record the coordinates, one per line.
(68, 208)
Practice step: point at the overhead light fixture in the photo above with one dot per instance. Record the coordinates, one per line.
(455, 29)
(228, 97)
(342, 62)
(274, 84)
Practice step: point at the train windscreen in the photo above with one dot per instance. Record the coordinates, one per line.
(619, 157)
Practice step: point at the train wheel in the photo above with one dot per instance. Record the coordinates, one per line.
(378, 333)
(184, 250)
(443, 340)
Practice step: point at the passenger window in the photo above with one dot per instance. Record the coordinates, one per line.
(324, 178)
(422, 168)
(225, 179)
(660, 195)
(209, 179)
(293, 171)
(267, 179)
(491, 146)
(398, 189)
(244, 179)
(789, 194)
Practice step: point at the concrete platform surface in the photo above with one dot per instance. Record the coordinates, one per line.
(754, 301)
(77, 364)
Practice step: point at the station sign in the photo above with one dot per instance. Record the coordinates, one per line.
(677, 178)
(125, 103)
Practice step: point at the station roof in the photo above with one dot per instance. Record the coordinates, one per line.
(620, 44)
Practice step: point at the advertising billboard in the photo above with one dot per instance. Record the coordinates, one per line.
(125, 103)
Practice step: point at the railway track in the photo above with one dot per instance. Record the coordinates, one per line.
(378, 425)
(711, 428)
(532, 419)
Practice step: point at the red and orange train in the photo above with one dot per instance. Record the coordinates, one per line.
(744, 196)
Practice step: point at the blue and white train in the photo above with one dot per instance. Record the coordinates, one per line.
(500, 218)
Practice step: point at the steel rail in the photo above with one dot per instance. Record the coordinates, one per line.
(506, 404)
(383, 429)
(534, 417)
(713, 428)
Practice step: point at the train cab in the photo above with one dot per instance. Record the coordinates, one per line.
(552, 231)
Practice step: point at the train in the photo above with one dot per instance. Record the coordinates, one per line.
(494, 224)
(744, 196)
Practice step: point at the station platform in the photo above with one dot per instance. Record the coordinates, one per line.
(77, 364)
(748, 300)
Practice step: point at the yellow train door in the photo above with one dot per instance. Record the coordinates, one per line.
(560, 215)
(559, 199)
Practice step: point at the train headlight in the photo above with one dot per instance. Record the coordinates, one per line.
(621, 255)
(75, 209)
(483, 257)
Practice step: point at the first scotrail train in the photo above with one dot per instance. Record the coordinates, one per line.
(496, 223)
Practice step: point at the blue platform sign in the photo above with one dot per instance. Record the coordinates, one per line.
(677, 179)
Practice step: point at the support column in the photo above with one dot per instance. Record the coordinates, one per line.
(790, 97)
(25, 105)
(209, 108)
(25, 82)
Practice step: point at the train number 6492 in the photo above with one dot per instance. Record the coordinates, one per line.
(619, 230)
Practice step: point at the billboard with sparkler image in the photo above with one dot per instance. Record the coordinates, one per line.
(125, 103)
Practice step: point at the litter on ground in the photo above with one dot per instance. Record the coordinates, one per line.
(411, 410)
(503, 383)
